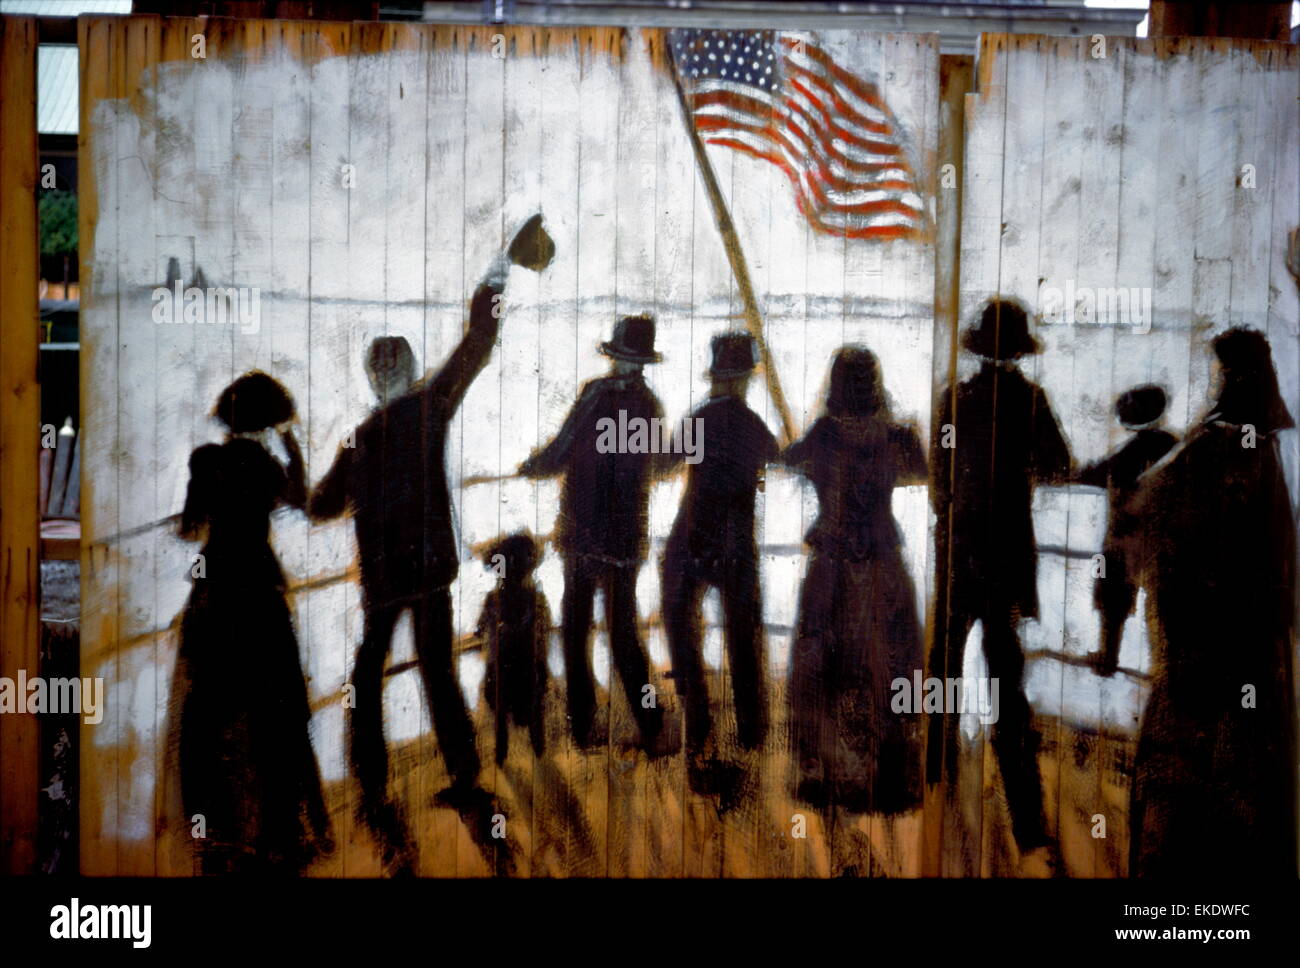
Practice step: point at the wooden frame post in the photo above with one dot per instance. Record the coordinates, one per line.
(20, 404)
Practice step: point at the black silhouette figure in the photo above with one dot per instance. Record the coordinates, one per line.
(602, 527)
(1006, 441)
(1115, 592)
(1214, 773)
(246, 760)
(712, 544)
(395, 485)
(515, 626)
(858, 628)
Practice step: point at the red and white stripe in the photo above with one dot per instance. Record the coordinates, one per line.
(830, 132)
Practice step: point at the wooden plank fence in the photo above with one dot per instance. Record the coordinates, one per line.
(353, 182)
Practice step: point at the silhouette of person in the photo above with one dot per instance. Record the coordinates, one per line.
(1115, 592)
(1214, 772)
(1006, 441)
(858, 627)
(602, 525)
(395, 485)
(712, 544)
(246, 760)
(515, 626)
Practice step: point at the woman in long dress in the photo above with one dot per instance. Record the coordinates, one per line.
(858, 628)
(245, 755)
(1214, 772)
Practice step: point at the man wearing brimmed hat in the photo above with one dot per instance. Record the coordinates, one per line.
(602, 527)
(712, 544)
(994, 439)
(392, 479)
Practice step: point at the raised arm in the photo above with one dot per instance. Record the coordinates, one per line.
(469, 357)
(295, 488)
(532, 249)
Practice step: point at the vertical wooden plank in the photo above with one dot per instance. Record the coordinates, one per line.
(177, 420)
(445, 300)
(632, 137)
(366, 318)
(332, 623)
(97, 231)
(668, 167)
(286, 353)
(1215, 190)
(981, 217)
(483, 411)
(1284, 288)
(1141, 187)
(524, 166)
(1087, 417)
(956, 75)
(1037, 141)
(1283, 310)
(396, 96)
(599, 93)
(564, 844)
(19, 429)
(138, 668)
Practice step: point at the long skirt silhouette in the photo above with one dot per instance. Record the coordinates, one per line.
(1214, 772)
(858, 631)
(245, 756)
(858, 628)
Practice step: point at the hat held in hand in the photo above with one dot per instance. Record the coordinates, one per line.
(532, 247)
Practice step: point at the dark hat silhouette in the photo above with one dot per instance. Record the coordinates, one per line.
(1141, 405)
(734, 354)
(857, 389)
(254, 402)
(1002, 332)
(633, 340)
(520, 551)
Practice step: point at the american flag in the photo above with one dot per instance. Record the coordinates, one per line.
(785, 100)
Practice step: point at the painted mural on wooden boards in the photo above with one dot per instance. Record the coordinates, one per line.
(591, 452)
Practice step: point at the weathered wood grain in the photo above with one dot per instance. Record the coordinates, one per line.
(19, 437)
(1139, 172)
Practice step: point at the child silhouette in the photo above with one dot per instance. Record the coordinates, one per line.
(515, 626)
(1115, 593)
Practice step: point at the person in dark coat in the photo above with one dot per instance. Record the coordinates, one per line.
(994, 440)
(394, 484)
(245, 754)
(515, 628)
(858, 627)
(602, 527)
(1214, 773)
(1115, 592)
(712, 544)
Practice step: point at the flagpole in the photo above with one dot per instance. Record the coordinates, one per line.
(731, 242)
